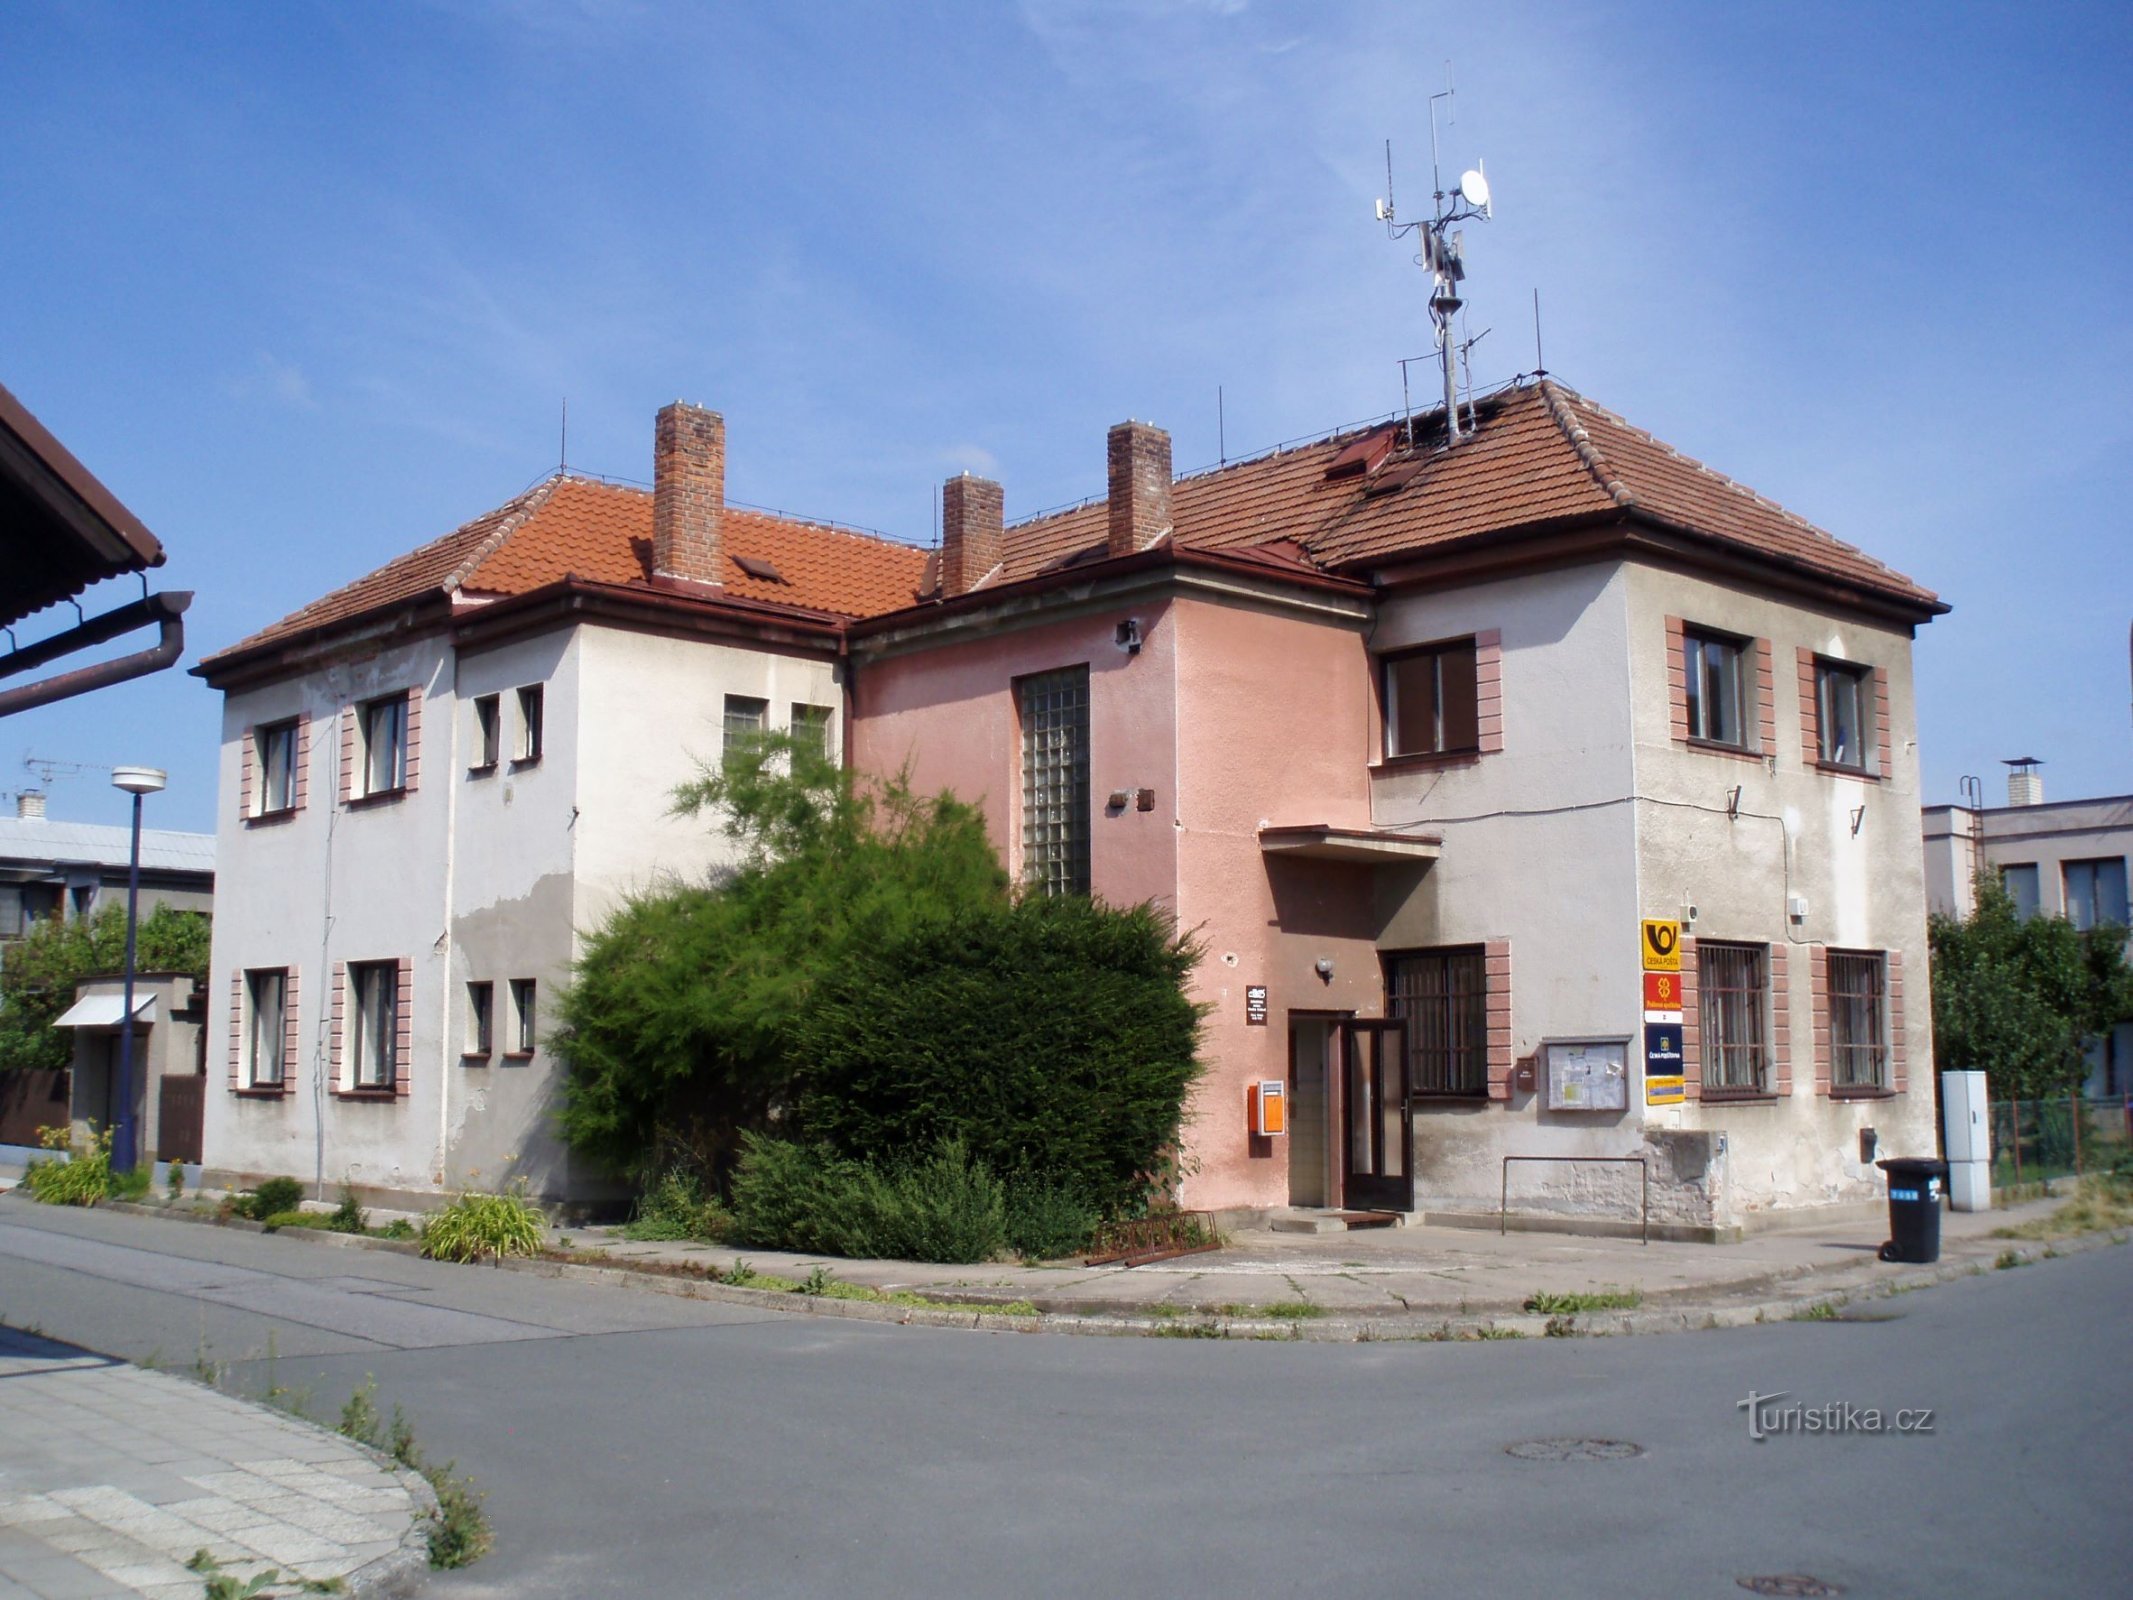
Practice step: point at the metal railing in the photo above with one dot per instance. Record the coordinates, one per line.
(1644, 1188)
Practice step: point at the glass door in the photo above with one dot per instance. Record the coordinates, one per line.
(1377, 1126)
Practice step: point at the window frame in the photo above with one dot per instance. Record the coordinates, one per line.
(481, 1020)
(1455, 706)
(390, 709)
(2035, 897)
(739, 734)
(488, 733)
(257, 979)
(2096, 912)
(532, 714)
(525, 1032)
(1694, 642)
(1828, 673)
(809, 719)
(1054, 828)
(374, 1014)
(1444, 1079)
(265, 738)
(1747, 1015)
(1853, 1003)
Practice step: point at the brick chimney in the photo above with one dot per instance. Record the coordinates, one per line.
(1140, 486)
(29, 804)
(688, 494)
(972, 536)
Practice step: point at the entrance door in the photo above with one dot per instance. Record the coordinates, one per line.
(1312, 1040)
(1377, 1126)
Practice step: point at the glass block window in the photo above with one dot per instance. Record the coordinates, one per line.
(1055, 781)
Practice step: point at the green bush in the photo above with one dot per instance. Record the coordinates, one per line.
(82, 1179)
(348, 1216)
(1052, 1037)
(483, 1227)
(273, 1196)
(676, 1207)
(1046, 1221)
(943, 1207)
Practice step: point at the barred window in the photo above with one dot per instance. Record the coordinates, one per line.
(1858, 1033)
(1733, 982)
(746, 720)
(1442, 997)
(1055, 781)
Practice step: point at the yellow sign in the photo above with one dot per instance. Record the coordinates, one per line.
(1664, 1092)
(1662, 945)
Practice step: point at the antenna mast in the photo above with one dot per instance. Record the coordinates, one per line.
(1441, 250)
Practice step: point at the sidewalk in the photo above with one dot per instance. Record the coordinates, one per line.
(111, 1477)
(1392, 1282)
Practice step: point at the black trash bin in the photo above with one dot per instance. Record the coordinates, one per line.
(1914, 1208)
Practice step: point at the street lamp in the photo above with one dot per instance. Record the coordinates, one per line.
(136, 781)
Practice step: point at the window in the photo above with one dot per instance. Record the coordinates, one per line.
(522, 1030)
(1055, 781)
(83, 896)
(377, 1023)
(1716, 688)
(529, 724)
(1843, 699)
(481, 1017)
(1432, 701)
(1733, 980)
(487, 738)
(383, 724)
(267, 1043)
(2022, 886)
(274, 749)
(2096, 892)
(746, 720)
(1442, 997)
(1858, 1030)
(811, 727)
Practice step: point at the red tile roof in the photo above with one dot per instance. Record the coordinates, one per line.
(1541, 454)
(573, 527)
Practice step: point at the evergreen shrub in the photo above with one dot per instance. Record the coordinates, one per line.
(943, 1206)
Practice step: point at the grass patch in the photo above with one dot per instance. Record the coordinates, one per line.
(484, 1227)
(459, 1532)
(1293, 1310)
(2099, 1205)
(677, 1208)
(1569, 1305)
(1820, 1311)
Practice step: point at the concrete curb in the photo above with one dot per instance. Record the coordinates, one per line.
(401, 1572)
(1799, 1290)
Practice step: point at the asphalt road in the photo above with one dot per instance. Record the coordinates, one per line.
(635, 1444)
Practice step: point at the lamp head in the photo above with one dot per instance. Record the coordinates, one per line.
(139, 780)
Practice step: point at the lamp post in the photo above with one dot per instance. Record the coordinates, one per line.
(136, 781)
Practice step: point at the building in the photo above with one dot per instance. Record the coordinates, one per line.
(1418, 739)
(433, 778)
(50, 868)
(2064, 858)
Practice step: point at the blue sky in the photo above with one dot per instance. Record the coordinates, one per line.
(308, 284)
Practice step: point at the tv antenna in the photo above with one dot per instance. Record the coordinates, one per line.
(1441, 252)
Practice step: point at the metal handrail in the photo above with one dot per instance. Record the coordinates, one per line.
(1644, 1188)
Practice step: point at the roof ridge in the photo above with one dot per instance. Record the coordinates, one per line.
(1553, 396)
(515, 513)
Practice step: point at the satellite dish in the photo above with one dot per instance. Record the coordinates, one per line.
(1474, 189)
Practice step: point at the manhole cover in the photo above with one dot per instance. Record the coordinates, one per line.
(1788, 1583)
(1574, 1450)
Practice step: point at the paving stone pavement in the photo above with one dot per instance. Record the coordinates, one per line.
(111, 1477)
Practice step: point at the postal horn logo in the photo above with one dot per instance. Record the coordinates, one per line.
(1662, 945)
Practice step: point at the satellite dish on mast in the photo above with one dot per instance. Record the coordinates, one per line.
(1474, 189)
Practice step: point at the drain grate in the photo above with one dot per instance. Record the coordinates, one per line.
(1789, 1583)
(1574, 1450)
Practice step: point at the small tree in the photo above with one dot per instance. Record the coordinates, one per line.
(39, 974)
(2020, 997)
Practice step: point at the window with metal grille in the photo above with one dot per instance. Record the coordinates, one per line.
(1432, 700)
(1055, 780)
(268, 990)
(1733, 983)
(746, 718)
(276, 744)
(1442, 996)
(1718, 707)
(1858, 1031)
(1842, 697)
(377, 1022)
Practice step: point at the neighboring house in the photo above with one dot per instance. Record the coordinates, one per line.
(69, 869)
(2064, 858)
(62, 531)
(1412, 739)
(436, 777)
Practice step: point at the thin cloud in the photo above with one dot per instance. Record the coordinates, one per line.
(272, 379)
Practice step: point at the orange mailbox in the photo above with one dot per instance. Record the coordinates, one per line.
(1266, 1104)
